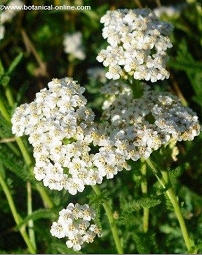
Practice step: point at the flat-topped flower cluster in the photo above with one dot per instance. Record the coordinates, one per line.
(62, 130)
(138, 126)
(74, 224)
(138, 41)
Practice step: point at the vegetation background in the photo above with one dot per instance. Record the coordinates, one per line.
(31, 54)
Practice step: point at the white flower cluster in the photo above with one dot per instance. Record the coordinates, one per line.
(169, 11)
(73, 45)
(62, 132)
(74, 223)
(138, 41)
(8, 14)
(139, 126)
(71, 151)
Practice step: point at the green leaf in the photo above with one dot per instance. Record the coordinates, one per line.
(36, 215)
(135, 205)
(145, 242)
(184, 60)
(14, 164)
(146, 202)
(15, 62)
(5, 127)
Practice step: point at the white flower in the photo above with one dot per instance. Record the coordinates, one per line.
(8, 14)
(74, 224)
(62, 131)
(75, 243)
(170, 11)
(2, 32)
(58, 124)
(73, 45)
(138, 43)
(137, 127)
(57, 230)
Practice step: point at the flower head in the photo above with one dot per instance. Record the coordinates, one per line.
(62, 131)
(74, 224)
(73, 45)
(138, 41)
(59, 125)
(137, 127)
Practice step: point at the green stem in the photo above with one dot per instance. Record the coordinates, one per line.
(24, 151)
(44, 195)
(29, 212)
(15, 215)
(171, 195)
(144, 191)
(165, 183)
(111, 221)
(136, 87)
(3, 111)
(9, 96)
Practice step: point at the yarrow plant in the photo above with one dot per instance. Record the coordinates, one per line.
(73, 148)
(74, 223)
(138, 41)
(142, 125)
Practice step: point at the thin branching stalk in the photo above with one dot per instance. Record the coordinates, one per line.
(16, 215)
(9, 96)
(3, 111)
(164, 180)
(44, 195)
(29, 212)
(145, 191)
(111, 221)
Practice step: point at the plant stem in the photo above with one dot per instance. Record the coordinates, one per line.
(3, 111)
(171, 195)
(9, 96)
(165, 183)
(44, 195)
(29, 212)
(111, 221)
(144, 191)
(15, 215)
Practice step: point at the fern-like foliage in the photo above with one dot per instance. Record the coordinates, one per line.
(174, 174)
(15, 164)
(5, 128)
(145, 243)
(145, 202)
(36, 215)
